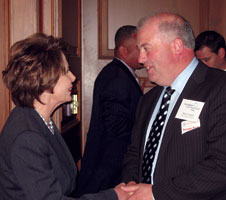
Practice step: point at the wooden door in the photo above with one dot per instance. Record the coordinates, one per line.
(19, 19)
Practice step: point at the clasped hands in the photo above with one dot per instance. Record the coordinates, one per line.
(133, 191)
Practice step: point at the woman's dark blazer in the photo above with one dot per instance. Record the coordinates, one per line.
(34, 163)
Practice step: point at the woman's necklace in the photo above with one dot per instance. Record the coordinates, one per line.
(50, 125)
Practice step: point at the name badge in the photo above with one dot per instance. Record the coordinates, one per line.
(189, 110)
(188, 126)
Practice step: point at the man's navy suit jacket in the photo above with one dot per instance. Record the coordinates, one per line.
(115, 98)
(190, 166)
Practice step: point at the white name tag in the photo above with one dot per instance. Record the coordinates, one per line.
(189, 110)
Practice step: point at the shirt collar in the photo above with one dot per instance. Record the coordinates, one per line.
(183, 77)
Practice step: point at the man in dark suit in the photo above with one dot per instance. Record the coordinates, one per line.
(115, 98)
(187, 158)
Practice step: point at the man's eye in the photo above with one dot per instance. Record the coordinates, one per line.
(206, 59)
(146, 49)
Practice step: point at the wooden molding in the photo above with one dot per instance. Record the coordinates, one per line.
(103, 51)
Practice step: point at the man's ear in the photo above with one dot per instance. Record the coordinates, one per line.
(123, 51)
(221, 53)
(177, 46)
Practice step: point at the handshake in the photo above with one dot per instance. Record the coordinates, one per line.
(133, 191)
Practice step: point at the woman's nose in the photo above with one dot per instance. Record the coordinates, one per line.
(72, 77)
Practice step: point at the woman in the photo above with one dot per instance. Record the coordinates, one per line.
(35, 163)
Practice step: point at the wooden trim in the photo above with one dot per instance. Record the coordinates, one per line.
(60, 18)
(5, 44)
(8, 42)
(55, 31)
(103, 51)
(53, 14)
(79, 28)
(41, 15)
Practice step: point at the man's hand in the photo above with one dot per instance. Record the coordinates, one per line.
(122, 194)
(138, 191)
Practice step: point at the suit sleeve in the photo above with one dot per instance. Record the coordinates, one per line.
(131, 162)
(102, 195)
(118, 117)
(117, 121)
(116, 109)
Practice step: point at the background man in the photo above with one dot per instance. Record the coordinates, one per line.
(184, 156)
(115, 98)
(210, 48)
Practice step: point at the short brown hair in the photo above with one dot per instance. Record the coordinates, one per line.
(35, 65)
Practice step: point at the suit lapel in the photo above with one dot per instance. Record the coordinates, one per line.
(66, 155)
(62, 152)
(58, 145)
